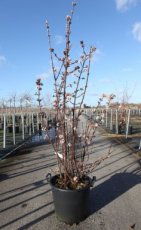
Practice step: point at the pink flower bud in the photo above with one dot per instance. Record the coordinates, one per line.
(96, 125)
(68, 18)
(73, 3)
(93, 49)
(75, 178)
(46, 23)
(51, 49)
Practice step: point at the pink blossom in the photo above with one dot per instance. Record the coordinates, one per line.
(93, 49)
(69, 144)
(88, 142)
(68, 17)
(59, 155)
(62, 141)
(68, 63)
(96, 125)
(75, 178)
(60, 136)
(68, 95)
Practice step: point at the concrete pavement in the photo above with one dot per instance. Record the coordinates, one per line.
(26, 199)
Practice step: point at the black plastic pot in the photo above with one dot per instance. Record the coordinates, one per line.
(17, 129)
(130, 130)
(71, 206)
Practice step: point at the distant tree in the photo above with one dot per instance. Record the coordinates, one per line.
(25, 100)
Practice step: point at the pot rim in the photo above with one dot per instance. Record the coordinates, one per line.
(50, 178)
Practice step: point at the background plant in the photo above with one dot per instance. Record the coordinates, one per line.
(39, 85)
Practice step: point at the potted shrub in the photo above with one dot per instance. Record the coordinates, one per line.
(71, 185)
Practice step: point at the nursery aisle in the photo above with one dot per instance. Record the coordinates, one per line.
(26, 198)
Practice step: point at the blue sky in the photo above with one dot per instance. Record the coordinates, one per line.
(113, 26)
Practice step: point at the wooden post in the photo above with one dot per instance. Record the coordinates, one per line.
(14, 139)
(127, 125)
(37, 121)
(111, 122)
(116, 121)
(29, 123)
(33, 123)
(140, 144)
(22, 118)
(106, 118)
(4, 131)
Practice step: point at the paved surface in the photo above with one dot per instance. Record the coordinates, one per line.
(26, 198)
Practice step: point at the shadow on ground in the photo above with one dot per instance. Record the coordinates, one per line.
(111, 189)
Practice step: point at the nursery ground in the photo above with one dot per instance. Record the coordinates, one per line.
(26, 199)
